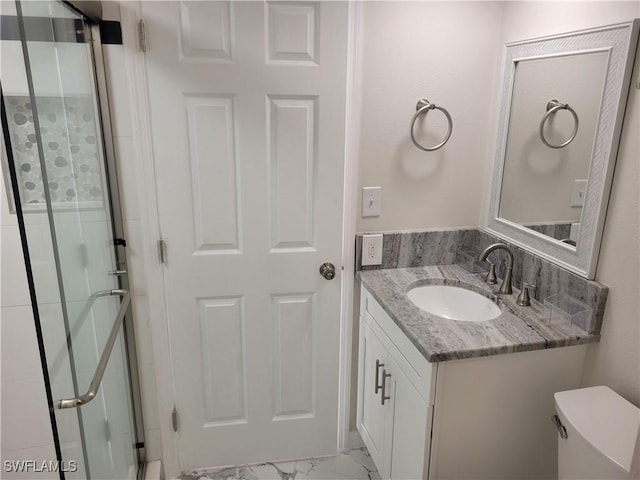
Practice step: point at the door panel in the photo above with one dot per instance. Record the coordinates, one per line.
(410, 427)
(248, 119)
(371, 412)
(215, 193)
(294, 356)
(223, 329)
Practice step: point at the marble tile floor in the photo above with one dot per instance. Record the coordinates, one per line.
(355, 464)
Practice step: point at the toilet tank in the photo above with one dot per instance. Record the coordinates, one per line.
(602, 428)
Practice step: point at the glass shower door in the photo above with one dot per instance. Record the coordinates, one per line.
(58, 145)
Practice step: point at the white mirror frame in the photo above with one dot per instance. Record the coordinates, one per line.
(620, 42)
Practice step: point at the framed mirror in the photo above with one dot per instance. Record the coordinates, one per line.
(563, 99)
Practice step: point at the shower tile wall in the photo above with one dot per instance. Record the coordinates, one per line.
(26, 427)
(69, 142)
(26, 430)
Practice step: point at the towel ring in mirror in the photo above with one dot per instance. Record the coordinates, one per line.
(552, 107)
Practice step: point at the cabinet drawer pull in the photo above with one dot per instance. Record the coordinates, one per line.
(383, 397)
(377, 385)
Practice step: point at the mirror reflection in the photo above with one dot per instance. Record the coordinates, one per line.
(551, 188)
(554, 111)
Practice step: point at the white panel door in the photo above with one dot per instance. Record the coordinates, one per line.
(248, 119)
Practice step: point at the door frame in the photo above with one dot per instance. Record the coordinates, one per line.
(135, 72)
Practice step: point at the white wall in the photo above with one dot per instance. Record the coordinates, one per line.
(524, 20)
(615, 360)
(447, 52)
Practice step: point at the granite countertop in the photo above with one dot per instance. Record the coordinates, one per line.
(517, 329)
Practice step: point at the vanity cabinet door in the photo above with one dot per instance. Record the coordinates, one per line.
(397, 433)
(410, 426)
(371, 413)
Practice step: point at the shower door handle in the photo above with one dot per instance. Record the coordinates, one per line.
(106, 353)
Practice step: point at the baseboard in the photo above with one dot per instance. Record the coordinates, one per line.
(154, 471)
(354, 440)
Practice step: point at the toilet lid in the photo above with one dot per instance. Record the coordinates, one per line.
(605, 420)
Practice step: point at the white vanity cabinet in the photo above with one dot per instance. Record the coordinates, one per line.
(395, 396)
(489, 417)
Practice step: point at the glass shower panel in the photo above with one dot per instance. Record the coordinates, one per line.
(59, 156)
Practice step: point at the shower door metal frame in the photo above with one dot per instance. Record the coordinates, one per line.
(93, 19)
(119, 233)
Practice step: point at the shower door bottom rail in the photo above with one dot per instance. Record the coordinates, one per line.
(106, 353)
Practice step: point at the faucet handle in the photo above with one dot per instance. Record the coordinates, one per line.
(523, 299)
(491, 277)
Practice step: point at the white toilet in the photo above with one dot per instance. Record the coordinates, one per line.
(601, 431)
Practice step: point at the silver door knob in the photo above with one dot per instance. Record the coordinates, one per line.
(328, 271)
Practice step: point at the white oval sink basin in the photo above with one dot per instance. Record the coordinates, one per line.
(454, 303)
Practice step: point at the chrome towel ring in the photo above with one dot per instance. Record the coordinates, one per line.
(552, 107)
(424, 106)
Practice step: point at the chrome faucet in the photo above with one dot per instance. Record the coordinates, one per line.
(506, 283)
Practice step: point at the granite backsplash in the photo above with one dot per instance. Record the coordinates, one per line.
(443, 247)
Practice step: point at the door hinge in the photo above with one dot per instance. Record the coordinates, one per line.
(142, 36)
(174, 419)
(162, 251)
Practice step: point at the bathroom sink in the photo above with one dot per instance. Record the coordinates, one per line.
(453, 303)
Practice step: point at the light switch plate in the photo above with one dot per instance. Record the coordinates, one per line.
(372, 249)
(371, 197)
(577, 193)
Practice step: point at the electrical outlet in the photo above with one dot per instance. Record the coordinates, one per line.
(372, 249)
